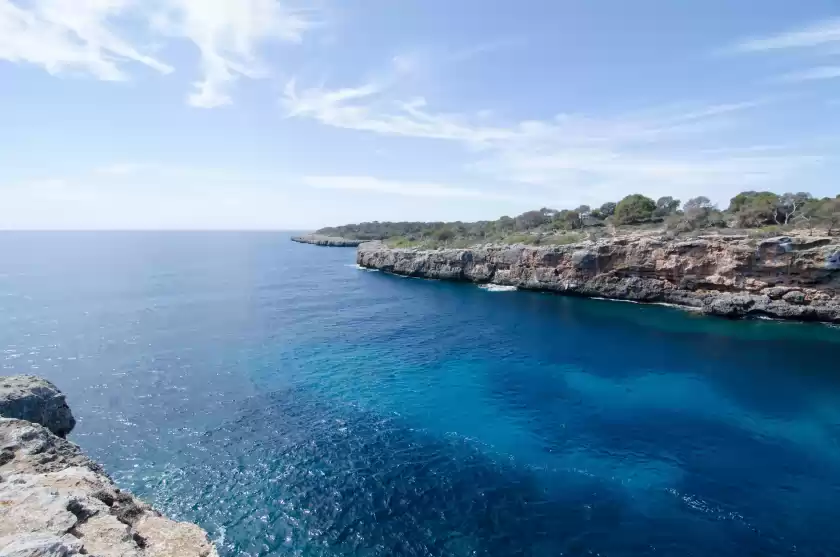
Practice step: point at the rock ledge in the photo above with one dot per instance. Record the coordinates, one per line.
(57, 502)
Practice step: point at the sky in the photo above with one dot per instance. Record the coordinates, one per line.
(278, 114)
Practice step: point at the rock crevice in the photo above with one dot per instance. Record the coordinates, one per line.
(732, 276)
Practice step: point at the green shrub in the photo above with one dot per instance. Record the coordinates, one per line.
(634, 209)
(563, 239)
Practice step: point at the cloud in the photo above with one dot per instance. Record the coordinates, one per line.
(661, 151)
(815, 35)
(822, 39)
(812, 74)
(227, 33)
(396, 187)
(364, 108)
(367, 108)
(92, 37)
(66, 35)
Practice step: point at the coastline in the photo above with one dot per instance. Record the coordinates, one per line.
(790, 278)
(56, 501)
(327, 241)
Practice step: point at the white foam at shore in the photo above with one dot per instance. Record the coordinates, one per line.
(359, 267)
(497, 288)
(663, 304)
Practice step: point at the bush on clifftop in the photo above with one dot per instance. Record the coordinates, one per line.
(634, 209)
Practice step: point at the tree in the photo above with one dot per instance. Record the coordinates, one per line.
(738, 203)
(696, 212)
(530, 219)
(666, 206)
(607, 209)
(569, 220)
(506, 223)
(754, 201)
(444, 234)
(583, 210)
(828, 214)
(789, 205)
(634, 209)
(700, 203)
(755, 208)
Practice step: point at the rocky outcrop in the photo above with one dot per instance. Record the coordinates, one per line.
(328, 241)
(31, 398)
(732, 276)
(56, 502)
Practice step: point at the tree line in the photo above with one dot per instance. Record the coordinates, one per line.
(749, 209)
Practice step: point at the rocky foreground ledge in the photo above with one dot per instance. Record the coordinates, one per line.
(57, 502)
(328, 241)
(732, 276)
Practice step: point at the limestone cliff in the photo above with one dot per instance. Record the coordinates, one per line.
(56, 502)
(732, 276)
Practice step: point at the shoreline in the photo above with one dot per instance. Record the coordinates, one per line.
(795, 279)
(327, 241)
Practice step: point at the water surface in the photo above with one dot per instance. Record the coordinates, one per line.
(293, 404)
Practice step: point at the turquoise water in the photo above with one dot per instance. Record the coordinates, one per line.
(293, 404)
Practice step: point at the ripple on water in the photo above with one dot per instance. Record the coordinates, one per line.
(423, 418)
(336, 481)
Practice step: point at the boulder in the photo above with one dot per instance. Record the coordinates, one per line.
(795, 297)
(729, 305)
(34, 399)
(776, 292)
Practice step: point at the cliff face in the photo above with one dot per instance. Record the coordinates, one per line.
(786, 277)
(56, 502)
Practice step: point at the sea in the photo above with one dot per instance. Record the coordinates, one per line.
(293, 404)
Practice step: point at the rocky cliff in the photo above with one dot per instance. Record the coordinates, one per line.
(329, 241)
(732, 276)
(56, 502)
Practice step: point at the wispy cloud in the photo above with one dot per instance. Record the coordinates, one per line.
(658, 151)
(227, 33)
(814, 74)
(92, 37)
(365, 108)
(819, 34)
(819, 39)
(70, 35)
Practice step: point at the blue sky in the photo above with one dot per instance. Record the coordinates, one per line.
(136, 114)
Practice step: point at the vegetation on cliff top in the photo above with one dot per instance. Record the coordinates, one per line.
(759, 213)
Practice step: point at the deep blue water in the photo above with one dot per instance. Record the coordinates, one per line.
(295, 405)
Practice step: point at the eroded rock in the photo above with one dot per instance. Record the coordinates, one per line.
(34, 399)
(729, 276)
(57, 502)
